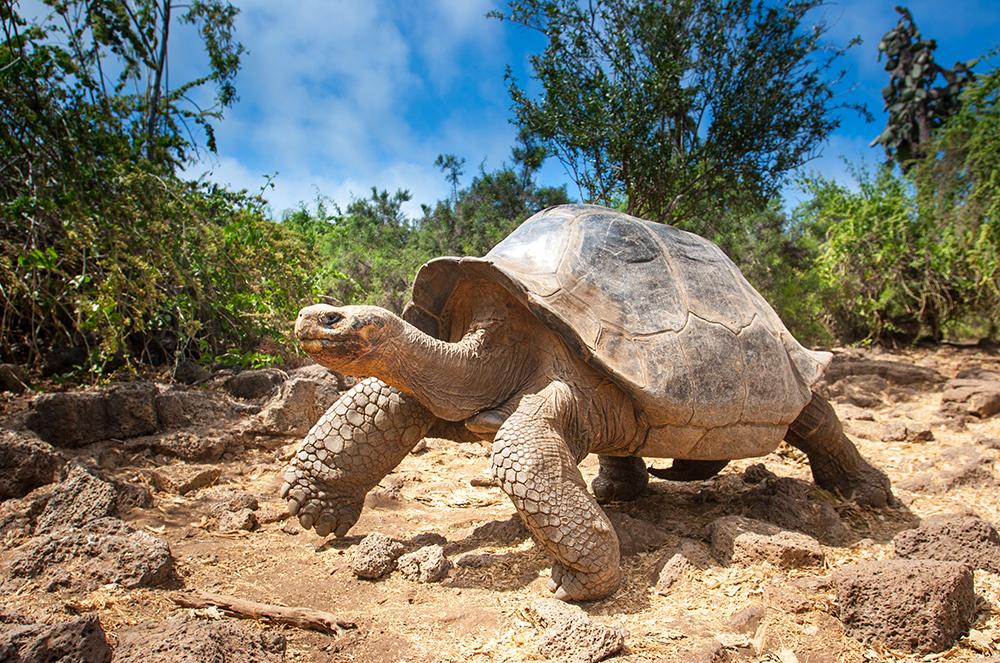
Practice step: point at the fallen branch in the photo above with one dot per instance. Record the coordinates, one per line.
(307, 618)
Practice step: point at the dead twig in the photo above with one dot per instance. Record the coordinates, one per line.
(307, 618)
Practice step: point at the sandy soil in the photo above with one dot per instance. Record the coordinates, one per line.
(480, 614)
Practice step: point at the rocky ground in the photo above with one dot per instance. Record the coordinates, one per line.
(116, 501)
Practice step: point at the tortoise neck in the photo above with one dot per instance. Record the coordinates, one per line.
(452, 380)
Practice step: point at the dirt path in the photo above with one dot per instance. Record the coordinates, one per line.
(480, 611)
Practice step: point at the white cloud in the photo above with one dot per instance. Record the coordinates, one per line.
(338, 97)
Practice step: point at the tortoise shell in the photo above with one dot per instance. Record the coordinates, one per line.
(664, 313)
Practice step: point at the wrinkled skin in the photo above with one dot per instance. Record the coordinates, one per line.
(511, 379)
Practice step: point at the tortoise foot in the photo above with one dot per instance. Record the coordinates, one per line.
(570, 585)
(865, 484)
(620, 479)
(316, 503)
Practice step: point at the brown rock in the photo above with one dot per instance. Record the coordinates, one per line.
(899, 431)
(255, 384)
(99, 552)
(571, 635)
(505, 532)
(917, 605)
(13, 378)
(292, 412)
(376, 556)
(189, 640)
(76, 418)
(84, 496)
(746, 620)
(895, 372)
(635, 535)
(427, 564)
(790, 504)
(235, 521)
(26, 462)
(229, 499)
(688, 556)
(988, 442)
(977, 397)
(955, 538)
(76, 641)
(741, 540)
(181, 478)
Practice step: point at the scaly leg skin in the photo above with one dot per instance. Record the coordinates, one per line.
(538, 472)
(359, 440)
(835, 462)
(620, 479)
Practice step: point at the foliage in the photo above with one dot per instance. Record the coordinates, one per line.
(366, 253)
(105, 250)
(370, 252)
(488, 210)
(915, 105)
(888, 268)
(959, 184)
(685, 111)
(96, 38)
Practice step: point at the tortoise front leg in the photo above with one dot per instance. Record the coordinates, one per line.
(538, 471)
(360, 439)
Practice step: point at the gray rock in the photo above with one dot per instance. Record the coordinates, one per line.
(427, 564)
(571, 635)
(375, 556)
(255, 384)
(99, 552)
(190, 640)
(738, 540)
(77, 641)
(84, 496)
(952, 537)
(235, 521)
(26, 462)
(13, 378)
(917, 605)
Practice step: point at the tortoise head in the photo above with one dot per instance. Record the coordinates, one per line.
(341, 337)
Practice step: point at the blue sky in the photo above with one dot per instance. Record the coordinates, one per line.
(340, 96)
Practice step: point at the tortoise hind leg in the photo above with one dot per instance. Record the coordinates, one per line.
(835, 462)
(620, 479)
(689, 470)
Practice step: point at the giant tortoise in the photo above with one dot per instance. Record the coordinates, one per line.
(584, 331)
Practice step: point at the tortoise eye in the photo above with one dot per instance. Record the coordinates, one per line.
(330, 319)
